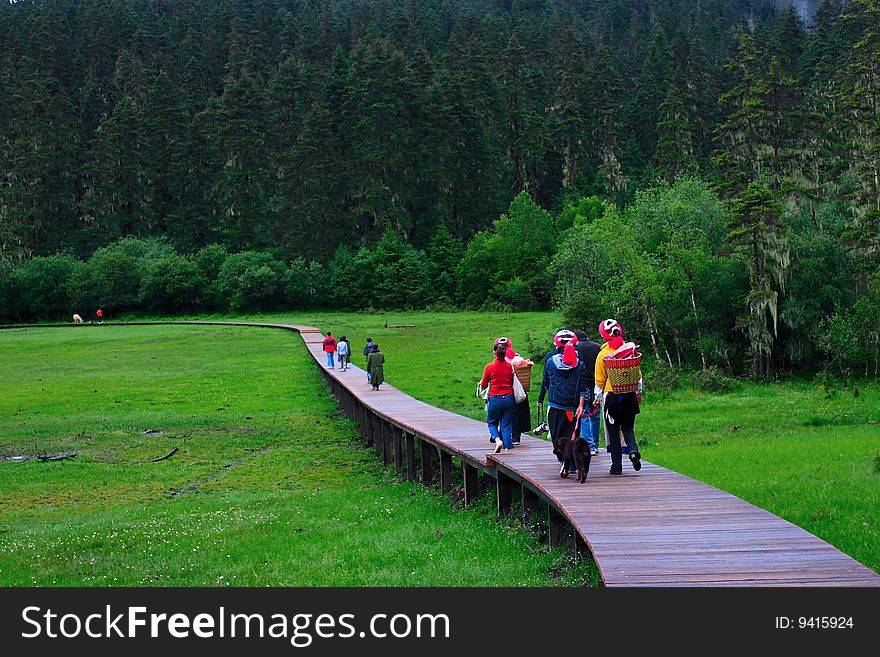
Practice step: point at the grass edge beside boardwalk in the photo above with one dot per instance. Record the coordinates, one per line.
(192, 520)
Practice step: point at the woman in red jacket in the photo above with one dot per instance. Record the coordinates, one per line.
(498, 375)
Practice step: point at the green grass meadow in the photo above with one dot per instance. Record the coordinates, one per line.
(272, 487)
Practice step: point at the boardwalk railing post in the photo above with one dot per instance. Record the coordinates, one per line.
(397, 434)
(380, 438)
(504, 486)
(410, 457)
(386, 442)
(445, 472)
(556, 526)
(368, 425)
(471, 484)
(427, 450)
(531, 504)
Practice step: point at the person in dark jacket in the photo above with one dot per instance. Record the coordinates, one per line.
(565, 386)
(368, 349)
(376, 367)
(587, 350)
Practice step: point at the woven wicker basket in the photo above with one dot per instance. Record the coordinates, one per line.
(623, 373)
(524, 374)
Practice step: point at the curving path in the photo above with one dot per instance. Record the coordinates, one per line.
(673, 530)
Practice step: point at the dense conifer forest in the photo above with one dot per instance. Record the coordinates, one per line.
(706, 170)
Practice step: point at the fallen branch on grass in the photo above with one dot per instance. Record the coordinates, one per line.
(162, 458)
(60, 456)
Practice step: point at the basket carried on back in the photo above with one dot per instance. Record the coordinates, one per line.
(524, 374)
(623, 373)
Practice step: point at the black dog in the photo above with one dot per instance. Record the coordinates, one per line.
(573, 451)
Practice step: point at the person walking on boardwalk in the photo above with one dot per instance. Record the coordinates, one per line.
(498, 376)
(376, 367)
(565, 386)
(522, 412)
(343, 350)
(620, 408)
(330, 349)
(587, 351)
(368, 349)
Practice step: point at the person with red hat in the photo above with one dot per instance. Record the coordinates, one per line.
(565, 386)
(522, 416)
(620, 409)
(498, 378)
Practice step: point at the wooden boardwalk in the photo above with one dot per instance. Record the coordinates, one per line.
(649, 528)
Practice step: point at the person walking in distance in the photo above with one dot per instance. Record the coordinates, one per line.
(343, 350)
(100, 315)
(330, 349)
(376, 367)
(368, 349)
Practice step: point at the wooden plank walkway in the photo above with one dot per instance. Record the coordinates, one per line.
(651, 528)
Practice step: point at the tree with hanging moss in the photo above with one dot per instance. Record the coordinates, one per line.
(757, 231)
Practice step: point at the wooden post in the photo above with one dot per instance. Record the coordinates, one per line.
(386, 442)
(556, 526)
(471, 484)
(427, 464)
(445, 472)
(397, 432)
(410, 457)
(580, 545)
(378, 437)
(531, 504)
(368, 426)
(504, 487)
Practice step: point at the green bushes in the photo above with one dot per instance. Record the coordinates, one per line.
(41, 286)
(250, 281)
(713, 379)
(662, 380)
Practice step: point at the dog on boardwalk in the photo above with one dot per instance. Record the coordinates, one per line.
(575, 452)
(77, 319)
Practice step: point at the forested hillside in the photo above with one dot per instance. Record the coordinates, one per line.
(406, 153)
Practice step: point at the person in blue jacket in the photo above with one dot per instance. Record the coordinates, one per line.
(565, 384)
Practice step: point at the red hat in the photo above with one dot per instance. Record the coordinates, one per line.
(507, 343)
(564, 337)
(610, 329)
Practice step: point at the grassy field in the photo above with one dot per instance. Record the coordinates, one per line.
(270, 487)
(788, 447)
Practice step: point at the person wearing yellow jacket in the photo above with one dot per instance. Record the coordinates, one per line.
(620, 409)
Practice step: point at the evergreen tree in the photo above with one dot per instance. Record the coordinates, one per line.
(607, 120)
(234, 129)
(674, 153)
(757, 230)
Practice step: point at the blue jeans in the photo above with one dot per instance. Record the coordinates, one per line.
(330, 359)
(500, 416)
(590, 430)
